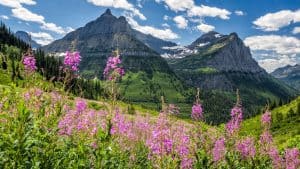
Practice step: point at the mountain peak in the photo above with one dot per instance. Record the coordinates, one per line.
(107, 12)
(27, 38)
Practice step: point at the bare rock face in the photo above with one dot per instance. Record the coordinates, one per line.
(98, 38)
(223, 62)
(27, 39)
(234, 56)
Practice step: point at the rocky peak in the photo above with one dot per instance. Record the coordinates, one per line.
(206, 39)
(107, 12)
(26, 38)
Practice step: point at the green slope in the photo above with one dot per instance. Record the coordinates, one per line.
(285, 125)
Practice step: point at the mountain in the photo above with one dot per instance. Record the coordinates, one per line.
(289, 74)
(224, 63)
(148, 75)
(154, 43)
(26, 38)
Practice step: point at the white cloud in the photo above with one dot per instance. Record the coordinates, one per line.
(205, 28)
(26, 15)
(10, 3)
(194, 10)
(178, 5)
(296, 30)
(277, 20)
(181, 22)
(166, 17)
(283, 50)
(16, 3)
(122, 4)
(53, 27)
(4, 17)
(270, 64)
(165, 25)
(42, 38)
(280, 44)
(207, 11)
(166, 34)
(239, 13)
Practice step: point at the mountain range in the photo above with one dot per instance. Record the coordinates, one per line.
(217, 64)
(24, 36)
(289, 74)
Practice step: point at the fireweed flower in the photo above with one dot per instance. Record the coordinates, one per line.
(236, 118)
(80, 120)
(113, 70)
(266, 118)
(29, 63)
(266, 138)
(277, 161)
(292, 158)
(72, 60)
(219, 150)
(197, 112)
(246, 148)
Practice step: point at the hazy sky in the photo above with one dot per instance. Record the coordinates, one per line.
(270, 27)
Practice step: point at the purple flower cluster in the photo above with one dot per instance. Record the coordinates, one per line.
(266, 138)
(219, 150)
(122, 127)
(266, 118)
(29, 63)
(112, 70)
(80, 120)
(236, 118)
(277, 161)
(292, 158)
(197, 112)
(167, 141)
(72, 60)
(246, 148)
(160, 142)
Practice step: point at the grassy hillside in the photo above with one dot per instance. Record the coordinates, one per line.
(285, 125)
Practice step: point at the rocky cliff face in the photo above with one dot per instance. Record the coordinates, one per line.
(98, 38)
(27, 39)
(107, 33)
(289, 74)
(223, 62)
(101, 36)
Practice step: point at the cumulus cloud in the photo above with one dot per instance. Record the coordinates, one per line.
(283, 50)
(271, 64)
(277, 20)
(18, 11)
(296, 30)
(53, 27)
(207, 11)
(4, 17)
(239, 13)
(205, 28)
(279, 44)
(42, 38)
(165, 34)
(194, 10)
(166, 17)
(181, 22)
(122, 4)
(165, 25)
(26, 15)
(178, 5)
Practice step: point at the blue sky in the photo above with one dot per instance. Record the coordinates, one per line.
(270, 27)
